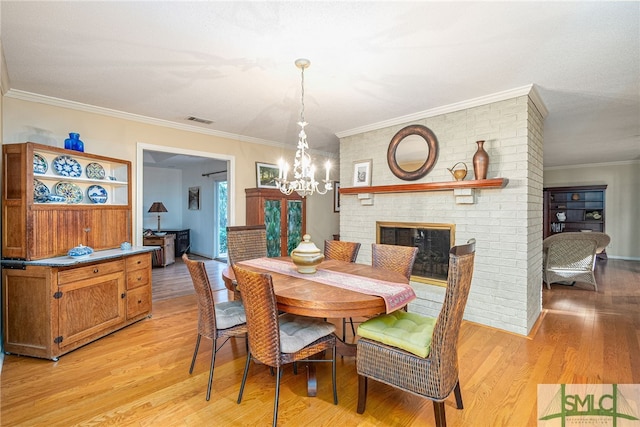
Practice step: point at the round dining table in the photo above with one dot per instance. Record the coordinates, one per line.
(301, 296)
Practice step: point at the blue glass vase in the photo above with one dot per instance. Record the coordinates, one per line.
(74, 142)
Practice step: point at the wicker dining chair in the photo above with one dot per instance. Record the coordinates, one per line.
(245, 242)
(571, 257)
(216, 321)
(278, 340)
(341, 250)
(434, 376)
(390, 257)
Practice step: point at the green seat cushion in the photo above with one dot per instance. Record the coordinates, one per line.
(408, 331)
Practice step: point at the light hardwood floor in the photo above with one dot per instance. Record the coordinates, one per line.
(139, 376)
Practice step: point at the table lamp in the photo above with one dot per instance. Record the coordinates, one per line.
(158, 207)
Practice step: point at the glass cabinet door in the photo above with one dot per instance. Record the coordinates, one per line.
(294, 224)
(272, 218)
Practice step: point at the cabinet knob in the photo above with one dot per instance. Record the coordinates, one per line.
(139, 301)
(139, 278)
(95, 270)
(139, 262)
(123, 295)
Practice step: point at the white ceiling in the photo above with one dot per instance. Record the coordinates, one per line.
(371, 62)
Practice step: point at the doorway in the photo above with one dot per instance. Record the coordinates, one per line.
(197, 168)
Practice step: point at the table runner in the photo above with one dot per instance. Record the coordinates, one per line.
(395, 295)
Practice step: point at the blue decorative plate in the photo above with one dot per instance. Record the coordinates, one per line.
(97, 194)
(67, 166)
(94, 171)
(40, 164)
(72, 192)
(40, 192)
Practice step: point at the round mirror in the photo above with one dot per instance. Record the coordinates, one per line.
(412, 152)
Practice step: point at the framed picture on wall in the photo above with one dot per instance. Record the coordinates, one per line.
(266, 175)
(336, 196)
(362, 173)
(194, 198)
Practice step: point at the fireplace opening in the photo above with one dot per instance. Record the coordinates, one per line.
(433, 242)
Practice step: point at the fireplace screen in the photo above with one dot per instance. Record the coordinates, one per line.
(433, 242)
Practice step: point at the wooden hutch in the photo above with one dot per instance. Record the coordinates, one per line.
(53, 304)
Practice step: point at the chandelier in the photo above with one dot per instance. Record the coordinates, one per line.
(304, 182)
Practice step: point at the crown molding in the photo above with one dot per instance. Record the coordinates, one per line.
(594, 165)
(458, 106)
(58, 102)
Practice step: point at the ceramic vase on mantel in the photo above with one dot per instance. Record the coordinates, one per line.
(480, 161)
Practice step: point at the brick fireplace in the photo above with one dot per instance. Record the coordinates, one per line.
(506, 290)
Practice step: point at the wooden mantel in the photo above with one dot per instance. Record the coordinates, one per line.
(427, 186)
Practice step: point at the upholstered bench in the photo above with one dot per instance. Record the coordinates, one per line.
(408, 331)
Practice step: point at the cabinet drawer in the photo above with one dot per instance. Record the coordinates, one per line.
(138, 261)
(137, 278)
(138, 301)
(154, 241)
(95, 270)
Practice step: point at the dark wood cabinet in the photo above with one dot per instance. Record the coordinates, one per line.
(284, 217)
(580, 208)
(182, 241)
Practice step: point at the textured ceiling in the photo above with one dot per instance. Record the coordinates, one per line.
(371, 62)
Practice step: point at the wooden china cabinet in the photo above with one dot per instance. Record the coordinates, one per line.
(284, 217)
(54, 199)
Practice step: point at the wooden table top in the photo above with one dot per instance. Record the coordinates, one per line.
(313, 299)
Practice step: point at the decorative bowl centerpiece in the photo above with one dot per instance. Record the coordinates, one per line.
(307, 256)
(80, 252)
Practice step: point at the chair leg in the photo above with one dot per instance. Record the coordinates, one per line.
(213, 364)
(362, 393)
(458, 394)
(195, 353)
(333, 377)
(438, 411)
(353, 330)
(275, 403)
(244, 377)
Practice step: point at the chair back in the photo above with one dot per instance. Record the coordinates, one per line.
(204, 295)
(444, 343)
(341, 250)
(246, 242)
(572, 254)
(394, 258)
(602, 239)
(260, 307)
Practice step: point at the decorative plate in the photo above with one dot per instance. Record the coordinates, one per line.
(97, 194)
(40, 164)
(67, 166)
(40, 192)
(72, 192)
(94, 171)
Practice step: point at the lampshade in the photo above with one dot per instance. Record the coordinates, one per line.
(157, 207)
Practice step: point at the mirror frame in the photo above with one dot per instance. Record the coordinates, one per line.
(426, 167)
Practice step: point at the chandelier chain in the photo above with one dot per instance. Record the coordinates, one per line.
(304, 182)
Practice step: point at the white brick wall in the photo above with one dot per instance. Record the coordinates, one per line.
(506, 223)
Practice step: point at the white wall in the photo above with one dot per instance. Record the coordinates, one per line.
(507, 223)
(162, 185)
